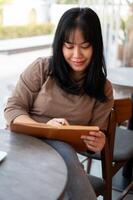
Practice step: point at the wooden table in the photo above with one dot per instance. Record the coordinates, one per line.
(122, 81)
(32, 169)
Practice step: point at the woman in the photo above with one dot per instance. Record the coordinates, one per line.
(70, 87)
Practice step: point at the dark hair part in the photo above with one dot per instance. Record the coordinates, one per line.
(95, 77)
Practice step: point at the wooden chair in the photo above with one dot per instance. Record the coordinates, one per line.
(117, 151)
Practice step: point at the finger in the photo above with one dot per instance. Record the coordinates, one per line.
(97, 134)
(62, 121)
(89, 138)
(53, 123)
(95, 145)
(57, 121)
(66, 122)
(92, 148)
(91, 143)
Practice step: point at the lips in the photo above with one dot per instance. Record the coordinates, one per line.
(78, 62)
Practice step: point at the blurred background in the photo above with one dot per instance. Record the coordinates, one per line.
(27, 28)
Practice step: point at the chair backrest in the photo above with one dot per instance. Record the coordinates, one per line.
(121, 111)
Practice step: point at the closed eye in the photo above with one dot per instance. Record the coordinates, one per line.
(68, 45)
(85, 45)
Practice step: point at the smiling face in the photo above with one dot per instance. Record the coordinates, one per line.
(77, 52)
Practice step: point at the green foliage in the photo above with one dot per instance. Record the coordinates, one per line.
(80, 1)
(8, 32)
(122, 24)
(127, 24)
(67, 1)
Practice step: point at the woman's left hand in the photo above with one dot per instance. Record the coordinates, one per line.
(94, 141)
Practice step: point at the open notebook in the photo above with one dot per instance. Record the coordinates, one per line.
(68, 133)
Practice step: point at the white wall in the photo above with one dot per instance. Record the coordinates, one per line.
(18, 12)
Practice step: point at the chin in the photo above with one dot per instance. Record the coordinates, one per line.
(79, 69)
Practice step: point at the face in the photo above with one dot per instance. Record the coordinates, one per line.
(77, 52)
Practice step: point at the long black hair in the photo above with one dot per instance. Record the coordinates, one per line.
(95, 77)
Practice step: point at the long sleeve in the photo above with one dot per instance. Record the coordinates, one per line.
(25, 92)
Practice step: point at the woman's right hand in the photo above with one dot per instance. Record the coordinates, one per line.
(58, 122)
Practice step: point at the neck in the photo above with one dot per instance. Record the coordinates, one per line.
(77, 76)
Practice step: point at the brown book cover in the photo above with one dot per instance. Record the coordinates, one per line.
(68, 133)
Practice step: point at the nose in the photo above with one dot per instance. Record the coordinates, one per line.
(76, 52)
